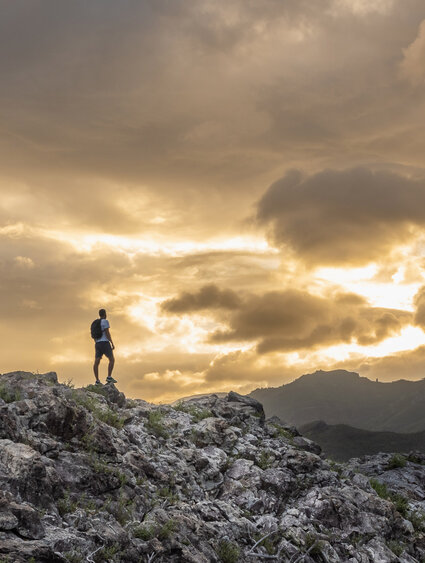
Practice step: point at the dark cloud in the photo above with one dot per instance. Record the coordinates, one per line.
(294, 319)
(208, 297)
(198, 102)
(343, 217)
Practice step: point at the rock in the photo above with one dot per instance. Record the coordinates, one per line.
(233, 397)
(239, 469)
(86, 474)
(307, 445)
(113, 395)
(8, 521)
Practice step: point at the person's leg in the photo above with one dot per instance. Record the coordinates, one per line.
(96, 368)
(111, 364)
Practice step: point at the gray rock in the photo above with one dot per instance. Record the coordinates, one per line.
(82, 473)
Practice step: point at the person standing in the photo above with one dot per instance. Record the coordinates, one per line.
(103, 346)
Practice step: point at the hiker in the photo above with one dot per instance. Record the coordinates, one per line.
(103, 345)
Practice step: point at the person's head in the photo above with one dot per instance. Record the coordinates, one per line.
(102, 313)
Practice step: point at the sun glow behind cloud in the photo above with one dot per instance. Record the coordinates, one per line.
(394, 293)
(409, 338)
(167, 246)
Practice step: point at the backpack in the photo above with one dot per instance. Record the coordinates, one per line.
(96, 329)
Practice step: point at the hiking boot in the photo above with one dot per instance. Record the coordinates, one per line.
(110, 379)
(98, 382)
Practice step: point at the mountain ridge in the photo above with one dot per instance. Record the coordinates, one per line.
(342, 442)
(342, 397)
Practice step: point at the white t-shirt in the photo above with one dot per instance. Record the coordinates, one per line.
(104, 324)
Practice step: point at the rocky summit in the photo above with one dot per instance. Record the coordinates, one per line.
(88, 475)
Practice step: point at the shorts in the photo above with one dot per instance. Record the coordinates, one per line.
(103, 347)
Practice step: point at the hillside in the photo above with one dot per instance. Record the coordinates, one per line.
(342, 442)
(342, 397)
(87, 475)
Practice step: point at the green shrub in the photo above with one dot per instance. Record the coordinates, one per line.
(65, 505)
(73, 557)
(313, 545)
(123, 510)
(110, 417)
(99, 465)
(155, 424)
(334, 466)
(281, 432)
(396, 461)
(401, 503)
(91, 404)
(145, 532)
(168, 494)
(99, 389)
(79, 397)
(415, 458)
(267, 542)
(148, 531)
(10, 395)
(396, 548)
(228, 552)
(265, 460)
(167, 530)
(418, 521)
(109, 554)
(195, 412)
(380, 488)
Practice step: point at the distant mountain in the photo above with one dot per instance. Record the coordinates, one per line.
(342, 397)
(341, 442)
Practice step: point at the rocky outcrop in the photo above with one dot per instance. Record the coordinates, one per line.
(87, 475)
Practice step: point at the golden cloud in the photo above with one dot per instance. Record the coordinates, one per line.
(292, 319)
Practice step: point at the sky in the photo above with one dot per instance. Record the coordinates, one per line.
(239, 183)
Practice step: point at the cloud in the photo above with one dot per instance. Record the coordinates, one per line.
(412, 67)
(52, 290)
(343, 217)
(208, 297)
(192, 107)
(164, 122)
(409, 364)
(293, 320)
(419, 302)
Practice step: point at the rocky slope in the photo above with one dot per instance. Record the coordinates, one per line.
(94, 477)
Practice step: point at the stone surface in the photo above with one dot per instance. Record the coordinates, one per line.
(86, 475)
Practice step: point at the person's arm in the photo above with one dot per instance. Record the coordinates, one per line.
(109, 337)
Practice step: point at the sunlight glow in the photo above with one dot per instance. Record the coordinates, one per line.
(188, 334)
(347, 275)
(163, 247)
(394, 294)
(410, 337)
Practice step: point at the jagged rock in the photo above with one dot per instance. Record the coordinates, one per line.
(233, 397)
(87, 475)
(112, 395)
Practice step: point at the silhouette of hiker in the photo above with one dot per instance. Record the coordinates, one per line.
(103, 345)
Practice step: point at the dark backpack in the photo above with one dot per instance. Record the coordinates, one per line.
(96, 329)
